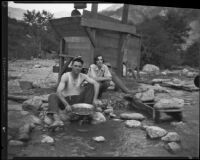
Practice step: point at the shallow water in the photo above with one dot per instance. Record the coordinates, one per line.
(76, 140)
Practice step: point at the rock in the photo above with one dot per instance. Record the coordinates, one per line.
(44, 106)
(185, 71)
(171, 137)
(177, 123)
(98, 118)
(169, 103)
(99, 139)
(155, 132)
(146, 96)
(112, 115)
(176, 81)
(132, 123)
(25, 85)
(32, 105)
(159, 89)
(116, 119)
(150, 68)
(164, 73)
(47, 139)
(98, 109)
(16, 143)
(24, 113)
(134, 116)
(108, 111)
(191, 74)
(160, 80)
(35, 120)
(173, 147)
(37, 66)
(44, 98)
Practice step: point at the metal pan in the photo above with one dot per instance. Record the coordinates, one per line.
(82, 109)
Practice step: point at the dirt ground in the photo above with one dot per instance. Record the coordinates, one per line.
(120, 141)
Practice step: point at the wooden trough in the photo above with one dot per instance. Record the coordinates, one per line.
(148, 109)
(93, 34)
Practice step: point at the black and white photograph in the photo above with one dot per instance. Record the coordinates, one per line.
(100, 79)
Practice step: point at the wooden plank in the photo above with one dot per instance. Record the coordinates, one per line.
(77, 39)
(65, 20)
(107, 42)
(109, 34)
(100, 24)
(91, 35)
(79, 45)
(61, 59)
(88, 14)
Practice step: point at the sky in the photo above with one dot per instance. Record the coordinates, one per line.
(53, 7)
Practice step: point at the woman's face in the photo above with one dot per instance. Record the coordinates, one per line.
(99, 61)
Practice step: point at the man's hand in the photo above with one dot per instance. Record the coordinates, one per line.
(68, 108)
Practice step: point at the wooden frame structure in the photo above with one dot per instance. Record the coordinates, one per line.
(94, 34)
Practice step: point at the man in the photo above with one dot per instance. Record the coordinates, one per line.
(100, 73)
(103, 74)
(71, 91)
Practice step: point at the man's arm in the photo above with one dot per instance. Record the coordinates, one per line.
(60, 88)
(96, 87)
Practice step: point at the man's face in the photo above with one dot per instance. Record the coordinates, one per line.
(77, 67)
(99, 61)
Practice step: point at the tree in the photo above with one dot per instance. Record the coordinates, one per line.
(39, 26)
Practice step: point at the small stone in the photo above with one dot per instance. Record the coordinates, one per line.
(98, 118)
(155, 132)
(16, 143)
(132, 123)
(99, 139)
(47, 139)
(116, 119)
(171, 137)
(112, 115)
(108, 111)
(134, 116)
(48, 120)
(173, 147)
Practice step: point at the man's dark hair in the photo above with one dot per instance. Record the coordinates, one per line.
(78, 59)
(96, 58)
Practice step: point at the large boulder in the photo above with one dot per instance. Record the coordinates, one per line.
(98, 118)
(155, 132)
(32, 105)
(150, 68)
(171, 137)
(169, 103)
(132, 123)
(132, 116)
(146, 96)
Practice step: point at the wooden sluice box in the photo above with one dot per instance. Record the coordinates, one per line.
(148, 109)
(90, 35)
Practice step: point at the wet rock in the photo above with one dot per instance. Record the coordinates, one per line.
(169, 103)
(146, 96)
(16, 143)
(155, 132)
(47, 139)
(150, 68)
(99, 139)
(132, 123)
(32, 105)
(171, 137)
(132, 116)
(173, 147)
(108, 111)
(98, 118)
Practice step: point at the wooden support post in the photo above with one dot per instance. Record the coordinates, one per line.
(121, 41)
(94, 8)
(138, 60)
(61, 63)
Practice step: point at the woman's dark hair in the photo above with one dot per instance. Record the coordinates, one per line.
(96, 58)
(77, 59)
